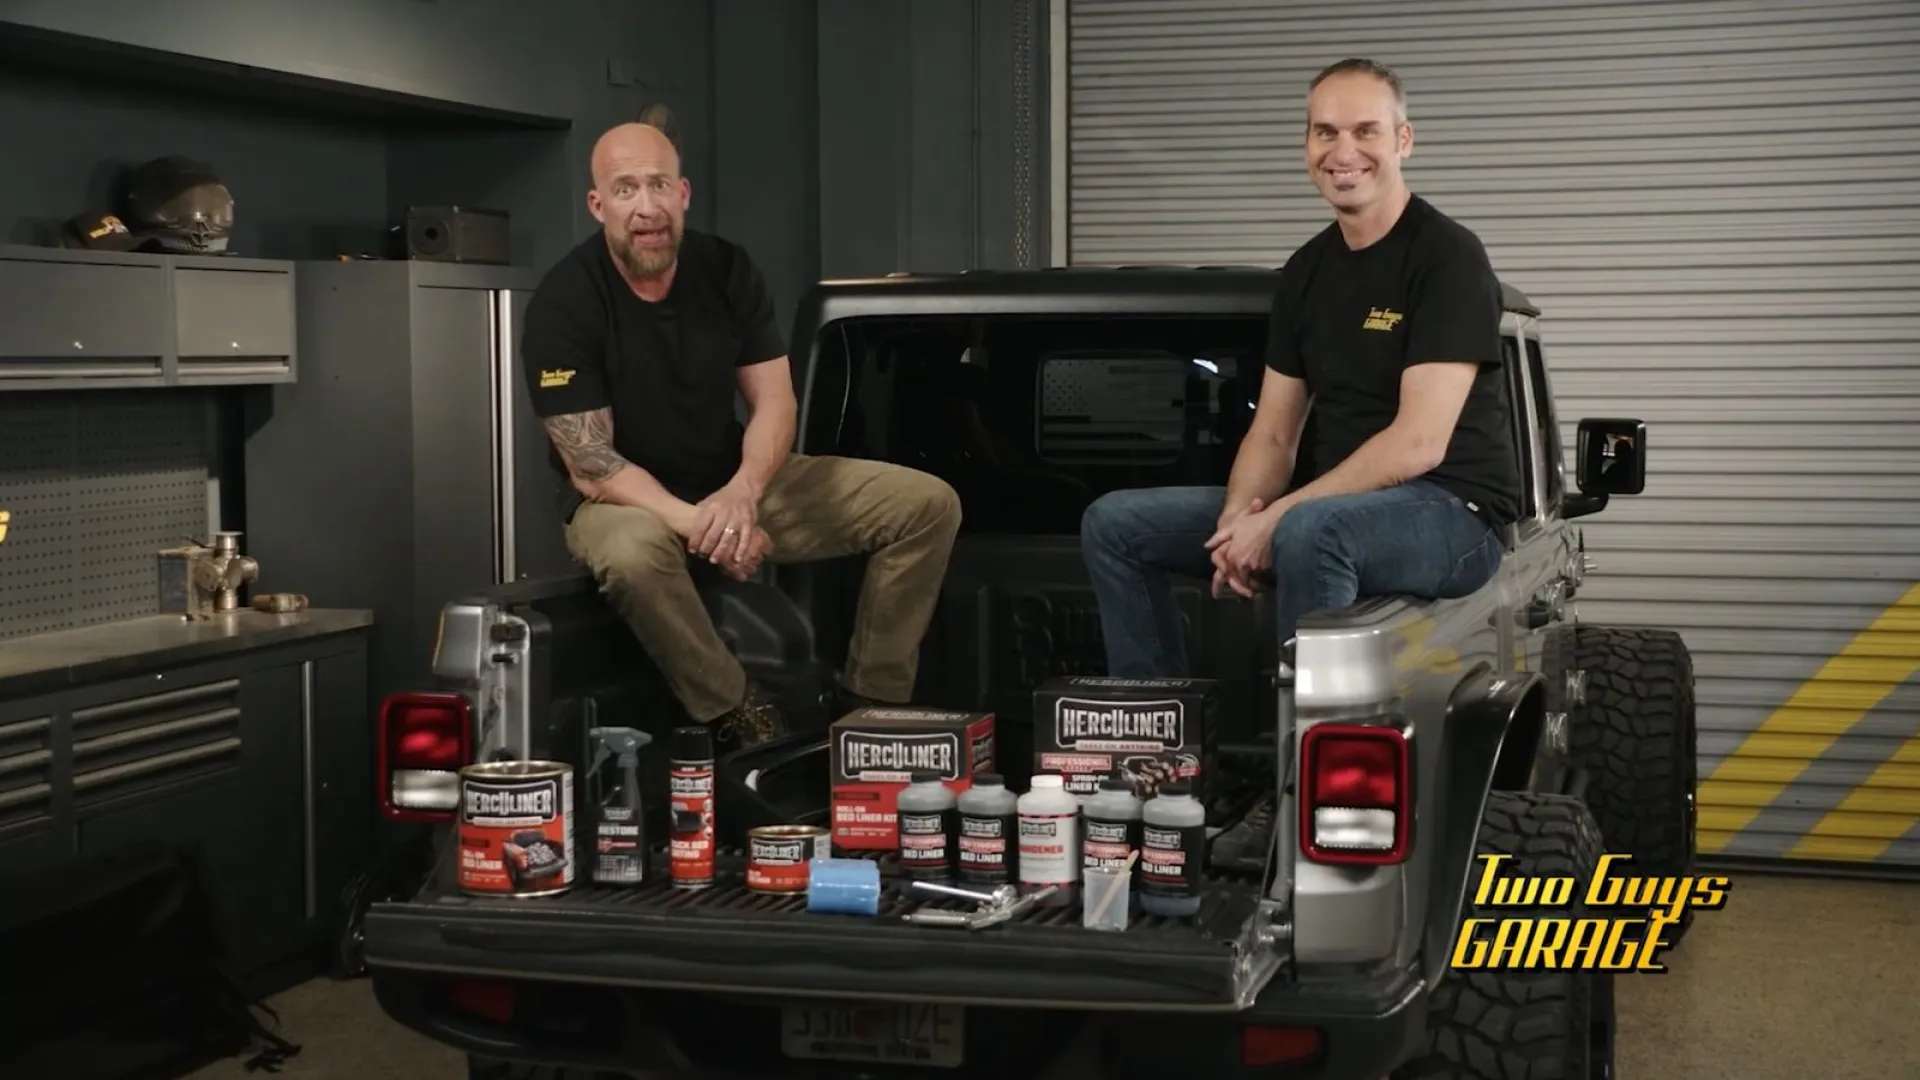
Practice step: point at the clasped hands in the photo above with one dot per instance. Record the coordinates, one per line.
(726, 531)
(1242, 548)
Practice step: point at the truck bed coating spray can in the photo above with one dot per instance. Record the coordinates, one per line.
(690, 780)
(1050, 840)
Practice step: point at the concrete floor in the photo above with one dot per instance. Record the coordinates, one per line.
(1795, 978)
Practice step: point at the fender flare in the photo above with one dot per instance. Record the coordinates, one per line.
(1480, 715)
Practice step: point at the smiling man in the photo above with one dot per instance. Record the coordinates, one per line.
(1389, 321)
(636, 345)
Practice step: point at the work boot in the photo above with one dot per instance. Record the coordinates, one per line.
(755, 721)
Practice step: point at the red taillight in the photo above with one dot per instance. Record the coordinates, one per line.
(423, 740)
(1356, 802)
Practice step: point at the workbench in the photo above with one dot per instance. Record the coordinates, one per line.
(246, 738)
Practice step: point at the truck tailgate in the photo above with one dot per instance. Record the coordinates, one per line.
(727, 939)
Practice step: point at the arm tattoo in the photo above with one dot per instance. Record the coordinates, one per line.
(585, 441)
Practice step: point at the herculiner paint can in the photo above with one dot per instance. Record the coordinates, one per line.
(516, 828)
(778, 857)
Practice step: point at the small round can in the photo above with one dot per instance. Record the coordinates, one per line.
(778, 857)
(516, 828)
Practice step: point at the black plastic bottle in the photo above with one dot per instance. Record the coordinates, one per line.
(1112, 824)
(1173, 851)
(989, 845)
(928, 817)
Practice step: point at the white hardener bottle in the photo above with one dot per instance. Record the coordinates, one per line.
(1050, 840)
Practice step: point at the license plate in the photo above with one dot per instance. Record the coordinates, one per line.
(901, 1034)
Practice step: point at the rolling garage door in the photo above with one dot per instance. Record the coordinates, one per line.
(1717, 203)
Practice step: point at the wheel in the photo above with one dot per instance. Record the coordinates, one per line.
(1633, 732)
(1524, 1025)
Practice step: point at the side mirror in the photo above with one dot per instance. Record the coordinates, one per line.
(1611, 456)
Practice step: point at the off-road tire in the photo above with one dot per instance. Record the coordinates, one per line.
(1523, 1025)
(1634, 735)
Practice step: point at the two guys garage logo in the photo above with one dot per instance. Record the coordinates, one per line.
(1616, 921)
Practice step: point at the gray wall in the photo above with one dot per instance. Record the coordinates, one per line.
(307, 187)
(833, 137)
(860, 137)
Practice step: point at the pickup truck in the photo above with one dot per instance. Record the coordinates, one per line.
(1490, 724)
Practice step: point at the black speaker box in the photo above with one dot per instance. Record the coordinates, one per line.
(459, 234)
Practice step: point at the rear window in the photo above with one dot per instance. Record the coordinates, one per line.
(1031, 418)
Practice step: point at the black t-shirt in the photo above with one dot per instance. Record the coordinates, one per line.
(1351, 322)
(667, 370)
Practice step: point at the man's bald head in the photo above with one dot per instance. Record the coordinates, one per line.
(639, 197)
(634, 144)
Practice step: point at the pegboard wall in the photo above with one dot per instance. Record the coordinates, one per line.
(93, 484)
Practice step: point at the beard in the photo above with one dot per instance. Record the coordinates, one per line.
(650, 261)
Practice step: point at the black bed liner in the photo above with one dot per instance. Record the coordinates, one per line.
(725, 938)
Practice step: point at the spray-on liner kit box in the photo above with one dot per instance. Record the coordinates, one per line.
(874, 752)
(1158, 730)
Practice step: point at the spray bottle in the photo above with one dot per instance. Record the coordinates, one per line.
(620, 836)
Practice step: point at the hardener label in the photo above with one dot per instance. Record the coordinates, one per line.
(984, 847)
(1049, 849)
(1170, 859)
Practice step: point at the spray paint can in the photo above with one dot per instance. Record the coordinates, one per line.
(620, 836)
(690, 783)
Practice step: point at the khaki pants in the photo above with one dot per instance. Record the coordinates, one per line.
(814, 508)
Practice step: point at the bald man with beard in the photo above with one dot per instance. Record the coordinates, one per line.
(635, 346)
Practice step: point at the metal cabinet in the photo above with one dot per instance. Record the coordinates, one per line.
(258, 764)
(233, 325)
(95, 319)
(405, 468)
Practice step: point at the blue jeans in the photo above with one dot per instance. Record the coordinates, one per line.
(1417, 539)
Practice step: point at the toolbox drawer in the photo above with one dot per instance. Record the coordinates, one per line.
(76, 312)
(232, 315)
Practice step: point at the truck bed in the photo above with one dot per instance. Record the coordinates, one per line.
(727, 939)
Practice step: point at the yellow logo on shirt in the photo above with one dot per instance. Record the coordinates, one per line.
(1381, 319)
(555, 377)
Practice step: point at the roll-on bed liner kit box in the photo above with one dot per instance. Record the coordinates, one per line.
(875, 751)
